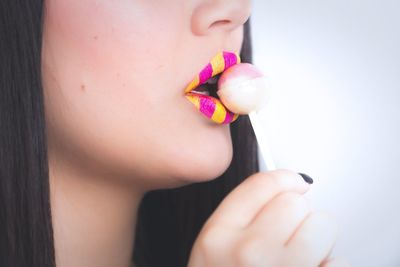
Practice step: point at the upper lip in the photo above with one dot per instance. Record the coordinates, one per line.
(217, 65)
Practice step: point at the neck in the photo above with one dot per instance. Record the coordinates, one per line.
(94, 218)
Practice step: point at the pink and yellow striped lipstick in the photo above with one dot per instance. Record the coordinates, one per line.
(210, 106)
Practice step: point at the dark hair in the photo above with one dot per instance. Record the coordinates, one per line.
(168, 220)
(26, 235)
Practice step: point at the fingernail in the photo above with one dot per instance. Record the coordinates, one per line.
(306, 178)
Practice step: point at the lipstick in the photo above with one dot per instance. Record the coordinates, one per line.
(210, 106)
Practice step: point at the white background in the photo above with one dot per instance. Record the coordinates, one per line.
(335, 111)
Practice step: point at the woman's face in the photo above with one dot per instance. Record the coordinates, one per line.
(114, 73)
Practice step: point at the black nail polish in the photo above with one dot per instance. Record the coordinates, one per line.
(306, 178)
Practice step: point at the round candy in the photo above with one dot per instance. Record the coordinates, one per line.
(242, 88)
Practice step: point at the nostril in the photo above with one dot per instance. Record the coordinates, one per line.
(220, 23)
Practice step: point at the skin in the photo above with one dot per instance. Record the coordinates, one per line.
(275, 227)
(118, 123)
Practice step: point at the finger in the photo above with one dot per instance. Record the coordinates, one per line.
(335, 263)
(313, 240)
(245, 201)
(280, 217)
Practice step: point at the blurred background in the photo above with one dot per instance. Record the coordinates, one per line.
(335, 111)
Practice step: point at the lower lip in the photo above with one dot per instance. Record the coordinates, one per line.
(212, 108)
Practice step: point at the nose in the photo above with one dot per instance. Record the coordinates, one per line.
(219, 15)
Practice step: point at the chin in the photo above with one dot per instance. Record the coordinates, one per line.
(207, 164)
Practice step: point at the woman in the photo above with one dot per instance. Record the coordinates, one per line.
(103, 160)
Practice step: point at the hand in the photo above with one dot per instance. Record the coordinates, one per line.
(266, 222)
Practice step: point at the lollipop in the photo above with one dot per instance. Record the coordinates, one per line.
(243, 89)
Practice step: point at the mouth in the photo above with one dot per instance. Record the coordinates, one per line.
(202, 90)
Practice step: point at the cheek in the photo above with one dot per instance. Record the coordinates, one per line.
(100, 59)
(115, 42)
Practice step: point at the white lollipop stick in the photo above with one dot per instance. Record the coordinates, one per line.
(262, 138)
(245, 90)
